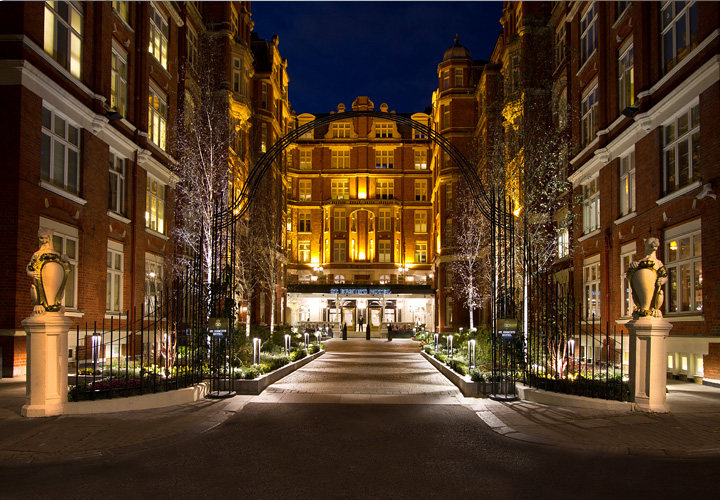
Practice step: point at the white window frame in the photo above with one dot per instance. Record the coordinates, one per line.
(66, 233)
(384, 158)
(626, 77)
(154, 284)
(627, 183)
(673, 142)
(421, 221)
(305, 189)
(118, 79)
(384, 220)
(340, 158)
(51, 142)
(670, 20)
(72, 60)
(192, 46)
(303, 251)
(589, 111)
(340, 189)
(674, 264)
(122, 9)
(591, 288)
(560, 44)
(591, 205)
(421, 249)
(339, 220)
(420, 190)
(563, 243)
(385, 251)
(588, 32)
(627, 257)
(305, 159)
(304, 224)
(384, 189)
(459, 77)
(117, 169)
(159, 34)
(157, 116)
(114, 284)
(339, 250)
(420, 160)
(340, 130)
(155, 200)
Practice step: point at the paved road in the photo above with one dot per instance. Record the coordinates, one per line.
(369, 430)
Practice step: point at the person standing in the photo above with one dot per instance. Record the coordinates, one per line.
(344, 331)
(367, 332)
(361, 321)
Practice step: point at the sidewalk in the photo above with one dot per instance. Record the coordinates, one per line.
(72, 437)
(691, 429)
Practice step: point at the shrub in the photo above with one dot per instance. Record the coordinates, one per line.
(479, 376)
(428, 348)
(313, 349)
(440, 356)
(296, 355)
(276, 363)
(251, 372)
(458, 366)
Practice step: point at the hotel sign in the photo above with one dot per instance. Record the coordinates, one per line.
(360, 291)
(218, 327)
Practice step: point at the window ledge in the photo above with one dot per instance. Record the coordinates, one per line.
(62, 192)
(156, 234)
(679, 317)
(677, 194)
(74, 313)
(626, 218)
(588, 235)
(115, 315)
(118, 217)
(623, 320)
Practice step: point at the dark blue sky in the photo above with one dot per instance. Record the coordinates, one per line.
(388, 51)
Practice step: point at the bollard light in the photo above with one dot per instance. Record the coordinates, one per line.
(450, 346)
(307, 339)
(256, 351)
(287, 345)
(471, 352)
(317, 338)
(437, 341)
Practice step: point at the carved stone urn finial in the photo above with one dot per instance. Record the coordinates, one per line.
(49, 271)
(647, 277)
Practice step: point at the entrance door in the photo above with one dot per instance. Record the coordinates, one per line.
(349, 319)
(374, 319)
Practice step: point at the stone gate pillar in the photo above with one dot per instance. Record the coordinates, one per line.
(648, 362)
(47, 364)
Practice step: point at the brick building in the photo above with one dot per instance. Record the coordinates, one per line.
(92, 92)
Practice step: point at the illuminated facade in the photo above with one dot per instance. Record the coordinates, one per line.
(360, 223)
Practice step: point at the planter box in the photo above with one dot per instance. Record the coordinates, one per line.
(559, 399)
(464, 383)
(256, 386)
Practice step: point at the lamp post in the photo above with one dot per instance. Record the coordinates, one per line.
(287, 345)
(450, 345)
(471, 352)
(256, 351)
(571, 345)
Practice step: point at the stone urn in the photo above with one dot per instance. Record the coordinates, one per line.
(647, 277)
(53, 277)
(643, 287)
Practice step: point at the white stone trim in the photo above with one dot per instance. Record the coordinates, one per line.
(60, 228)
(115, 246)
(594, 259)
(626, 218)
(679, 318)
(677, 194)
(61, 192)
(118, 217)
(155, 168)
(156, 234)
(682, 229)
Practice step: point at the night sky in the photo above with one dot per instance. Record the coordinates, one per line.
(388, 51)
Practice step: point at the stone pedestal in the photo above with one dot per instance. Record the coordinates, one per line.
(648, 362)
(47, 351)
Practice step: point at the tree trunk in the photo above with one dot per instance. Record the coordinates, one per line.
(248, 314)
(272, 310)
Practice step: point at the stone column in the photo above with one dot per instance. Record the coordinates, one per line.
(648, 362)
(47, 351)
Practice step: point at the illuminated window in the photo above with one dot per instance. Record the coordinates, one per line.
(304, 251)
(263, 137)
(340, 130)
(448, 196)
(420, 252)
(114, 283)
(446, 80)
(588, 119)
(626, 79)
(116, 191)
(588, 32)
(63, 34)
(383, 130)
(303, 224)
(157, 117)
(384, 220)
(155, 205)
(159, 32)
(445, 160)
(339, 250)
(339, 159)
(458, 77)
(118, 80)
(627, 256)
(384, 158)
(339, 219)
(384, 189)
(591, 285)
(445, 116)
(591, 206)
(679, 24)
(448, 311)
(683, 261)
(60, 151)
(339, 189)
(192, 47)
(563, 243)
(421, 221)
(122, 9)
(305, 189)
(681, 149)
(305, 159)
(420, 160)
(153, 282)
(421, 190)
(627, 183)
(384, 251)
